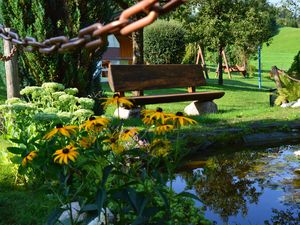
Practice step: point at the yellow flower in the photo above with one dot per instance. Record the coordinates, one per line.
(87, 142)
(129, 133)
(65, 154)
(161, 129)
(95, 123)
(28, 158)
(160, 147)
(114, 144)
(117, 100)
(64, 130)
(154, 116)
(180, 120)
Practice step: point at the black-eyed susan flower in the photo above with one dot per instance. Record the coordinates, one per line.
(180, 120)
(160, 147)
(129, 133)
(154, 116)
(87, 142)
(113, 141)
(60, 129)
(28, 158)
(65, 154)
(164, 128)
(118, 101)
(95, 123)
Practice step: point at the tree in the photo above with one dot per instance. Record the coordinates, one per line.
(289, 13)
(212, 20)
(49, 18)
(254, 24)
(217, 24)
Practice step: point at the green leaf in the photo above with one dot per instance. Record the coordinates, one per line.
(89, 207)
(15, 150)
(165, 199)
(106, 173)
(188, 195)
(17, 141)
(16, 159)
(100, 199)
(140, 220)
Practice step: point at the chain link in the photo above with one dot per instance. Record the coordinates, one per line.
(10, 56)
(95, 36)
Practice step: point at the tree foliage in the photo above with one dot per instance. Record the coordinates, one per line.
(164, 42)
(289, 13)
(295, 67)
(217, 24)
(45, 19)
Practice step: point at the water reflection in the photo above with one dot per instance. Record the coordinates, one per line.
(234, 187)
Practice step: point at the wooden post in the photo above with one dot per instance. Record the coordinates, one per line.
(203, 64)
(11, 70)
(226, 64)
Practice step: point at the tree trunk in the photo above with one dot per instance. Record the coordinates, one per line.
(245, 64)
(138, 47)
(220, 67)
(138, 53)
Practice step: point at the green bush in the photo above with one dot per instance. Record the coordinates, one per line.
(164, 42)
(190, 56)
(290, 91)
(295, 68)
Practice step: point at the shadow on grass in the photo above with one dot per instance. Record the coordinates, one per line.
(22, 205)
(235, 85)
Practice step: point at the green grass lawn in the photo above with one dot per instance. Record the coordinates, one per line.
(283, 48)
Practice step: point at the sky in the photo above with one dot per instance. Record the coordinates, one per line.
(274, 1)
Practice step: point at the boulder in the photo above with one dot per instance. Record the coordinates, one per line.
(198, 108)
(102, 220)
(65, 216)
(297, 104)
(123, 113)
(78, 217)
(286, 105)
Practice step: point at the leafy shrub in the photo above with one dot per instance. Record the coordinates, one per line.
(190, 54)
(164, 42)
(40, 108)
(251, 70)
(290, 91)
(295, 67)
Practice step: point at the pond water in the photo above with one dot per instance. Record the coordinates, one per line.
(246, 187)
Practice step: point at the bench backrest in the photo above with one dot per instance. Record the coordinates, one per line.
(149, 77)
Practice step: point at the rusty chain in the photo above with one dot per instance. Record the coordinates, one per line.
(94, 36)
(10, 56)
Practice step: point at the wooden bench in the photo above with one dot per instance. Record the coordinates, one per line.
(124, 78)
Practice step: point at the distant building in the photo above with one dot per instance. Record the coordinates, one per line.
(119, 50)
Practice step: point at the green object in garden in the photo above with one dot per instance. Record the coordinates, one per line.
(164, 42)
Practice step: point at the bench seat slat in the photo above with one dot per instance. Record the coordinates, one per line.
(181, 97)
